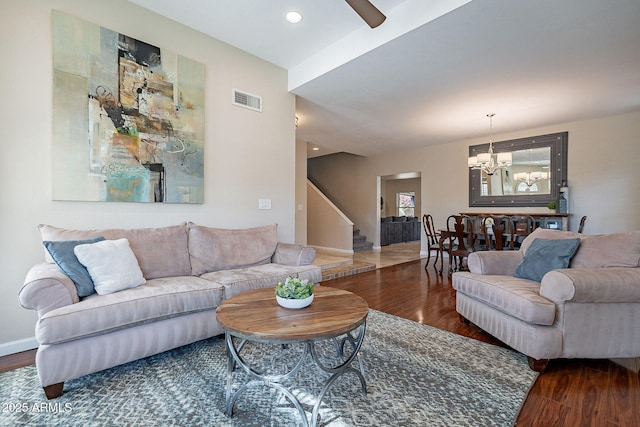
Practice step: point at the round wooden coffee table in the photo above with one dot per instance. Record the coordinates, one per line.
(335, 314)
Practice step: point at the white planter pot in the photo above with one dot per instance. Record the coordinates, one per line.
(294, 303)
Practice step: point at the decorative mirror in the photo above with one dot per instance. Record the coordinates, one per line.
(536, 173)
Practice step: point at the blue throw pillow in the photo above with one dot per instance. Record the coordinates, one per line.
(62, 254)
(544, 255)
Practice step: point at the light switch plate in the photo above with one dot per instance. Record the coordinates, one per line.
(264, 203)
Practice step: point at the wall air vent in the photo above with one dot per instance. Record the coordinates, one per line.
(246, 100)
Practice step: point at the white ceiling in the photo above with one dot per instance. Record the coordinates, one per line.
(433, 70)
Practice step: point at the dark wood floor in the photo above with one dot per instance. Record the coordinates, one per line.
(570, 393)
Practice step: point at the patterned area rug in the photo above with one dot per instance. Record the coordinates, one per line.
(416, 375)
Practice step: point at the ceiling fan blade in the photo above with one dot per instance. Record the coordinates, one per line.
(371, 15)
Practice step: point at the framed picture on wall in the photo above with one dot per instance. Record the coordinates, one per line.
(128, 118)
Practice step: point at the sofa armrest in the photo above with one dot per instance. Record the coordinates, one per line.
(607, 285)
(290, 254)
(494, 262)
(47, 288)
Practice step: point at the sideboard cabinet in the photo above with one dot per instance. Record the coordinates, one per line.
(554, 221)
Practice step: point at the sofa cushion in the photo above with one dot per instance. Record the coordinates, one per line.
(608, 250)
(67, 261)
(514, 296)
(112, 265)
(214, 249)
(153, 247)
(261, 276)
(291, 254)
(156, 300)
(544, 255)
(549, 234)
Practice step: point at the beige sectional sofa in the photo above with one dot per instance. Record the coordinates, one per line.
(589, 310)
(186, 271)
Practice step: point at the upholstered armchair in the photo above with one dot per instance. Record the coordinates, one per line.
(587, 308)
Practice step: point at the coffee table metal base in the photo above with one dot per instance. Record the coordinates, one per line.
(258, 379)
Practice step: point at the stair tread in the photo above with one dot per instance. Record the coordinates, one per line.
(363, 247)
(362, 244)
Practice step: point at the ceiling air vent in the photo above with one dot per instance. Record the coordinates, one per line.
(247, 100)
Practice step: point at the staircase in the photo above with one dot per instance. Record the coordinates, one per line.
(360, 242)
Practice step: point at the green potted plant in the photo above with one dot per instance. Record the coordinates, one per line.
(294, 292)
(552, 206)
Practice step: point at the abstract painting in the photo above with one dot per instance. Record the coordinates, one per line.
(128, 118)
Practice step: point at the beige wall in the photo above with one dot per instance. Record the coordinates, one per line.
(330, 228)
(394, 186)
(338, 177)
(248, 155)
(603, 174)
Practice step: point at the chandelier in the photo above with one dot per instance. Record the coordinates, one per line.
(530, 178)
(489, 162)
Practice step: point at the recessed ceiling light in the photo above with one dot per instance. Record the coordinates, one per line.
(316, 149)
(294, 17)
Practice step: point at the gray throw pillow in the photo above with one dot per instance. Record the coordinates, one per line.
(63, 255)
(544, 255)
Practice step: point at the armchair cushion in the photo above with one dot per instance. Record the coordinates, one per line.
(544, 255)
(494, 262)
(549, 234)
(608, 250)
(516, 297)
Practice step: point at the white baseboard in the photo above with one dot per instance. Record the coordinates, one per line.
(19, 346)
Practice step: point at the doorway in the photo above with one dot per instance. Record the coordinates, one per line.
(399, 210)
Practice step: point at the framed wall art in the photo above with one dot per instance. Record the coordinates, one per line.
(128, 118)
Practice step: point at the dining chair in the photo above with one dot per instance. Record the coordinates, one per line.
(433, 239)
(459, 247)
(582, 221)
(479, 239)
(522, 226)
(496, 228)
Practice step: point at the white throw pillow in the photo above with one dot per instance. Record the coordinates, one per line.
(112, 265)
